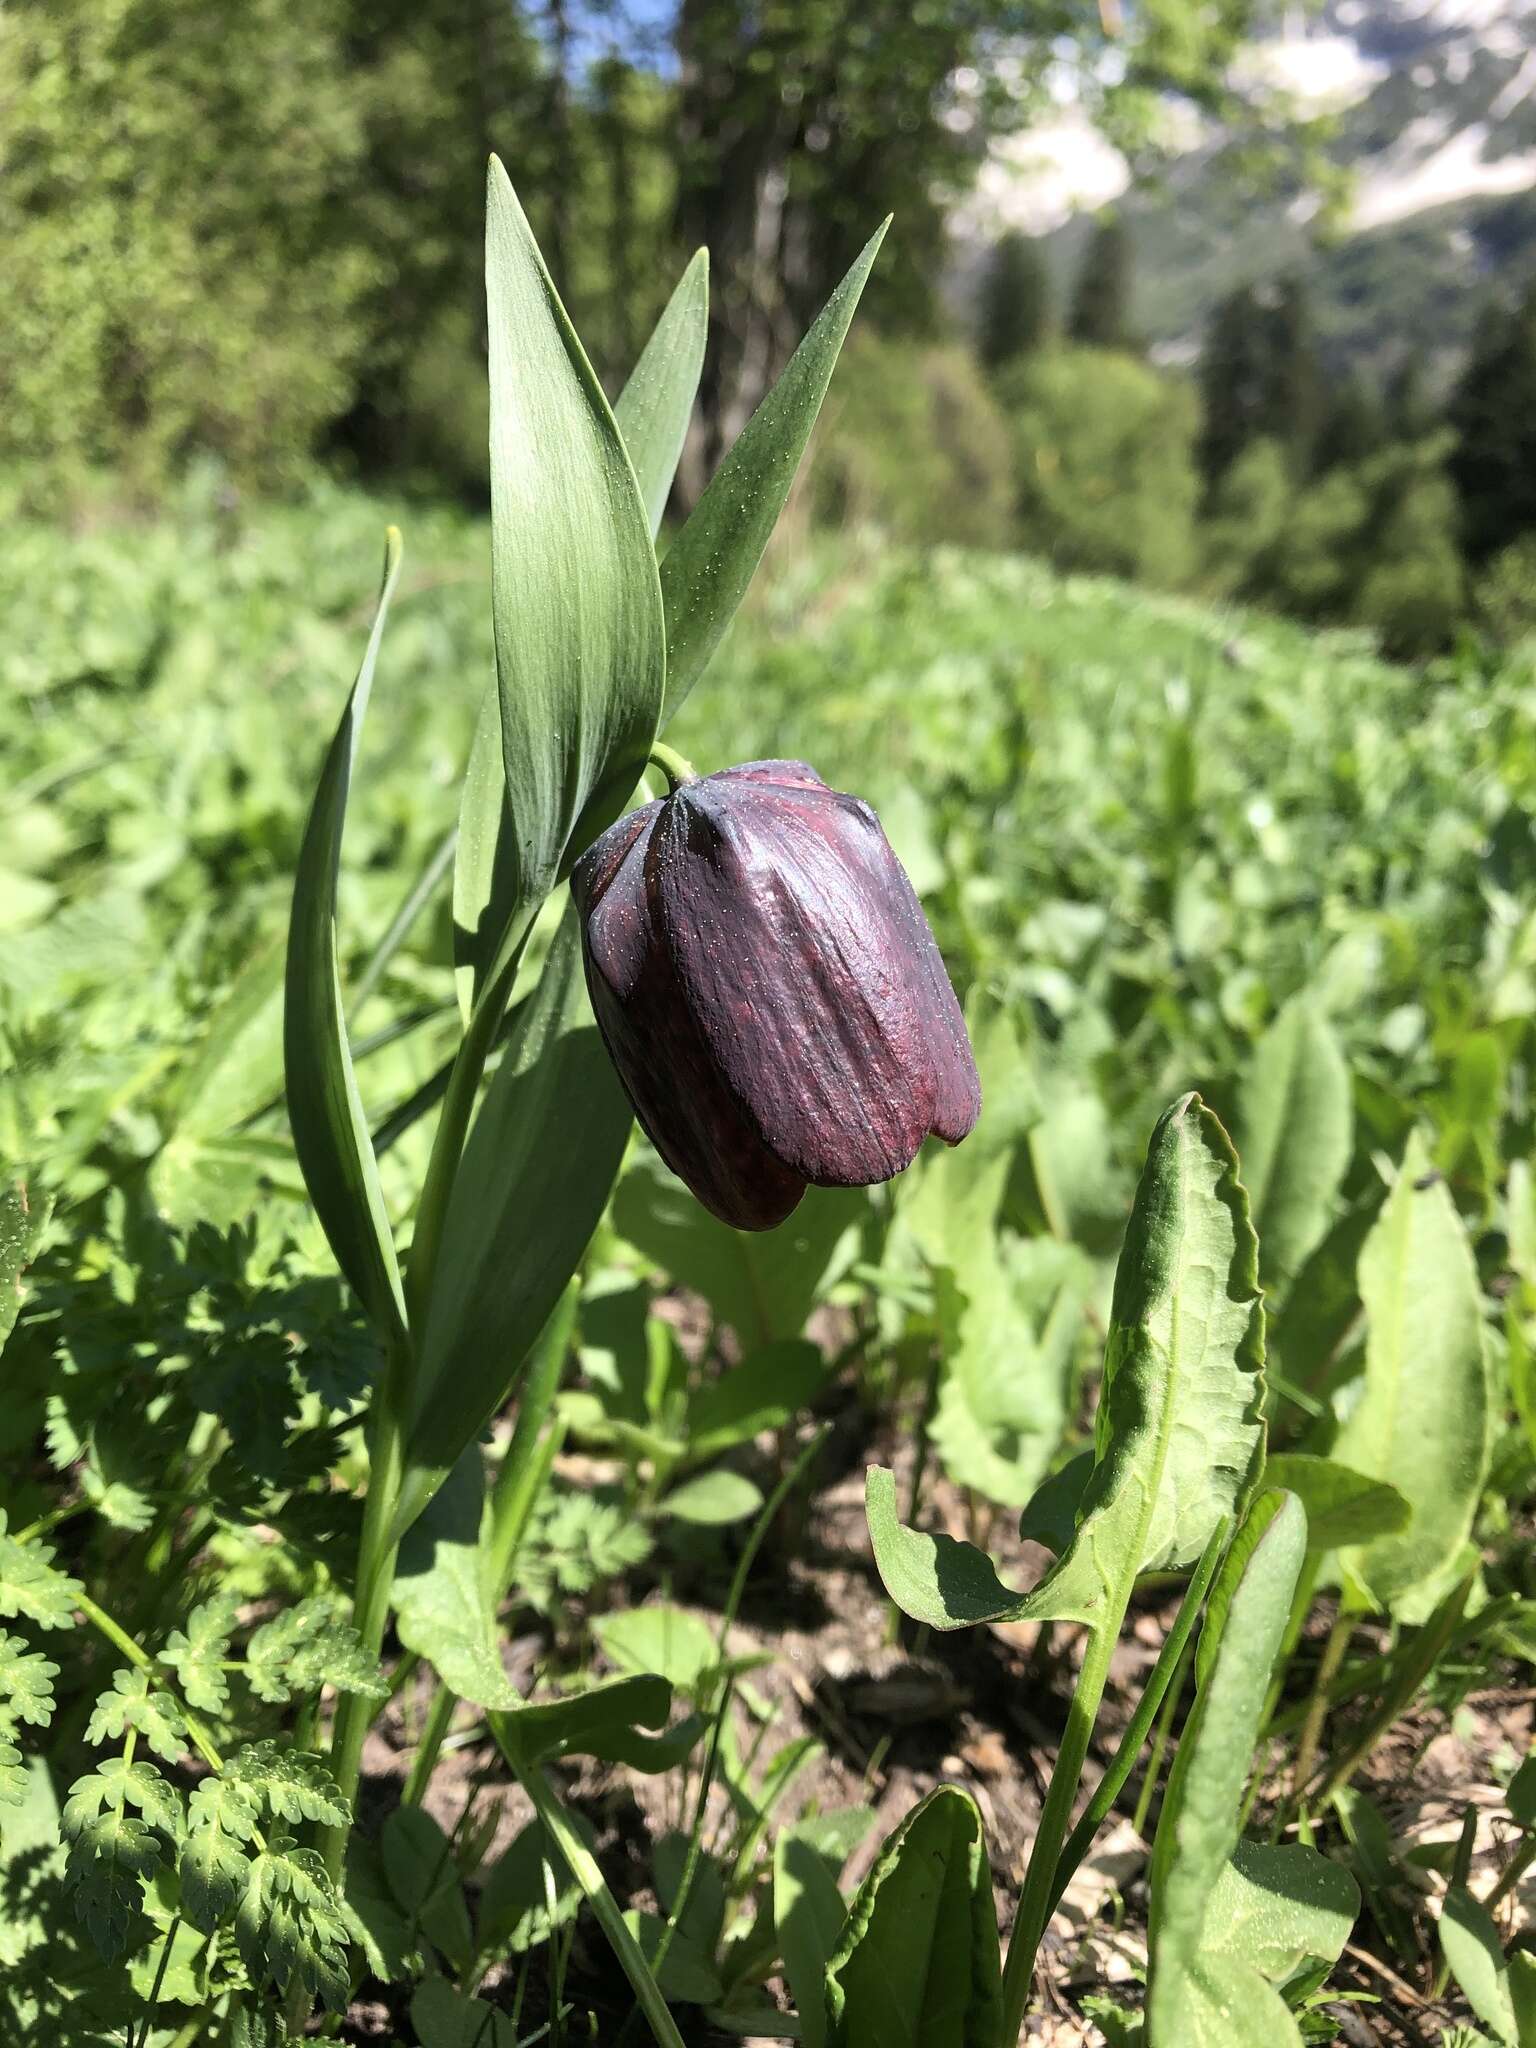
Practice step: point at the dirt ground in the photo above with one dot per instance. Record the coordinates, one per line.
(982, 1708)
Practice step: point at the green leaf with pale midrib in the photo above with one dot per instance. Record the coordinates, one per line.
(1204, 1997)
(1179, 1432)
(1422, 1421)
(918, 1965)
(576, 604)
(1297, 1135)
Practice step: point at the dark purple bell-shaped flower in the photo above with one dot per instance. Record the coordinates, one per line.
(769, 990)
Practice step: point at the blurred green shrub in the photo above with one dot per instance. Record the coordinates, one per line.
(914, 444)
(1104, 463)
(176, 272)
(1505, 595)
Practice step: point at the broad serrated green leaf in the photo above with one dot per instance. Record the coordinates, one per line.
(32, 1588)
(26, 1682)
(307, 1647)
(107, 1858)
(530, 1190)
(1297, 1133)
(418, 1862)
(1342, 1505)
(290, 1928)
(445, 1603)
(1422, 1420)
(132, 1702)
(657, 400)
(705, 573)
(1179, 1434)
(917, 1965)
(575, 599)
(223, 1825)
(325, 1110)
(116, 1783)
(1194, 1994)
(197, 1653)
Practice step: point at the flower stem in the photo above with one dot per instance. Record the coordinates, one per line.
(672, 765)
(377, 1552)
(1040, 1882)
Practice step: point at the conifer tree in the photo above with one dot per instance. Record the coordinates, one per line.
(1101, 300)
(1493, 414)
(1014, 312)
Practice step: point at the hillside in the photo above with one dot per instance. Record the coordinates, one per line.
(1435, 112)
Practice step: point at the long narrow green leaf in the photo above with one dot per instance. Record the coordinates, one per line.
(1422, 1422)
(1297, 1134)
(652, 417)
(655, 405)
(532, 1185)
(576, 605)
(1180, 1435)
(1217, 1999)
(325, 1110)
(705, 573)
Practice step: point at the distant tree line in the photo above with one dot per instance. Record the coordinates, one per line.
(1271, 474)
(252, 227)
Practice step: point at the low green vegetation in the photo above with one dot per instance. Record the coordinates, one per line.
(1163, 847)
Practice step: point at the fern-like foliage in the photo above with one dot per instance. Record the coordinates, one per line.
(197, 1654)
(26, 1682)
(111, 1849)
(32, 1587)
(290, 1927)
(307, 1647)
(132, 1702)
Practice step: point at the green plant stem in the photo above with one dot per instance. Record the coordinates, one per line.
(1167, 1679)
(1160, 1741)
(1035, 1904)
(584, 1868)
(453, 1123)
(377, 1552)
(524, 1473)
(1512, 1873)
(1311, 1736)
(672, 765)
(1461, 1870)
(1426, 1650)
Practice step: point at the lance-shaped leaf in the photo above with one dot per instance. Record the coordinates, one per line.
(917, 1966)
(1209, 1998)
(532, 1185)
(654, 406)
(1297, 1133)
(1179, 1437)
(652, 416)
(1422, 1421)
(575, 601)
(1342, 1505)
(705, 573)
(445, 1599)
(325, 1110)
